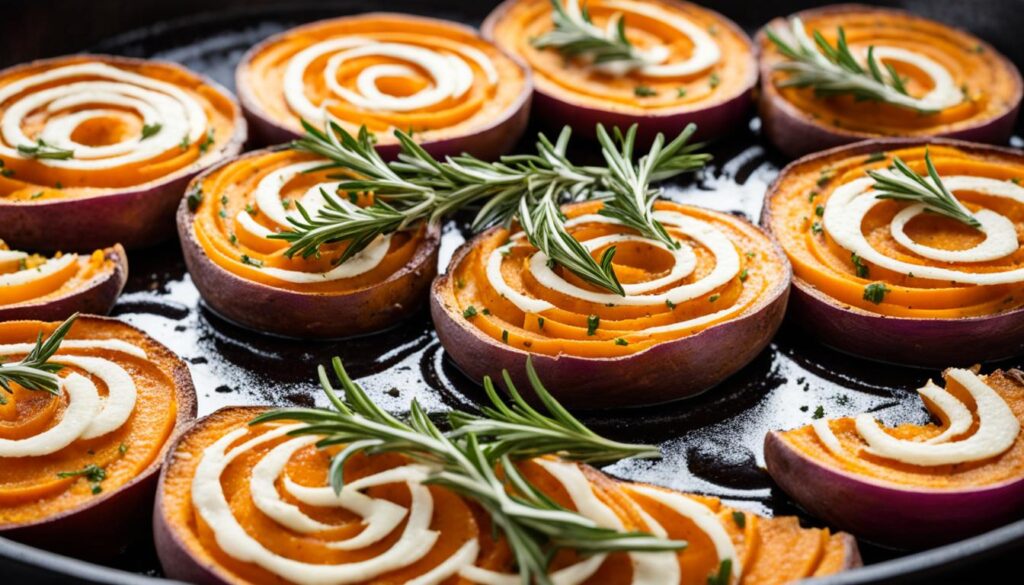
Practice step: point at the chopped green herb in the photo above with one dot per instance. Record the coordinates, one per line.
(739, 518)
(286, 203)
(251, 261)
(714, 80)
(743, 275)
(644, 91)
(470, 312)
(195, 198)
(233, 239)
(251, 210)
(621, 341)
(92, 473)
(714, 298)
(875, 157)
(681, 92)
(8, 173)
(592, 322)
(149, 130)
(670, 304)
(859, 266)
(223, 199)
(36, 195)
(486, 311)
(504, 335)
(540, 322)
(1017, 180)
(818, 412)
(819, 210)
(122, 449)
(816, 228)
(207, 141)
(811, 196)
(875, 292)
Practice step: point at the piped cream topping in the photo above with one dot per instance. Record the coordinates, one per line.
(680, 226)
(70, 104)
(654, 61)
(269, 202)
(850, 203)
(997, 427)
(88, 415)
(450, 74)
(380, 518)
(48, 268)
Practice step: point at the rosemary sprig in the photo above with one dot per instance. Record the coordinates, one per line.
(575, 34)
(527, 187)
(466, 461)
(33, 372)
(42, 150)
(903, 184)
(835, 71)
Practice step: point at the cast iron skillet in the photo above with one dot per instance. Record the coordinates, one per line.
(712, 443)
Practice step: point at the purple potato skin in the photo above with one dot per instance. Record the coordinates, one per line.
(488, 143)
(713, 121)
(135, 217)
(668, 371)
(888, 514)
(97, 530)
(97, 298)
(931, 343)
(304, 315)
(795, 133)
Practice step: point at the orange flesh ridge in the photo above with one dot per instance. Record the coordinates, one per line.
(231, 189)
(88, 269)
(576, 81)
(820, 262)
(978, 70)
(565, 328)
(454, 116)
(30, 489)
(33, 182)
(1006, 466)
(772, 550)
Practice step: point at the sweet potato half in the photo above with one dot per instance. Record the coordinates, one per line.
(33, 287)
(114, 175)
(853, 304)
(597, 349)
(901, 504)
(246, 277)
(761, 550)
(799, 121)
(432, 78)
(704, 70)
(83, 498)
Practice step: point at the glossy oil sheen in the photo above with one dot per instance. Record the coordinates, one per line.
(712, 444)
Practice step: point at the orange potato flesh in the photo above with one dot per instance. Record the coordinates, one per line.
(1007, 466)
(230, 189)
(30, 489)
(581, 84)
(77, 274)
(564, 329)
(771, 550)
(263, 77)
(978, 70)
(35, 182)
(818, 261)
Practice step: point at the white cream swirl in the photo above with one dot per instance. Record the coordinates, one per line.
(450, 75)
(380, 519)
(270, 203)
(851, 202)
(87, 415)
(108, 91)
(997, 427)
(680, 226)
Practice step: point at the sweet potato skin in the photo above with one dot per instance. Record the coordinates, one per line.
(712, 121)
(488, 143)
(796, 133)
(98, 530)
(295, 314)
(931, 343)
(135, 217)
(97, 298)
(668, 371)
(889, 515)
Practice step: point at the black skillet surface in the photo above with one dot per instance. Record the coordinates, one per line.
(711, 444)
